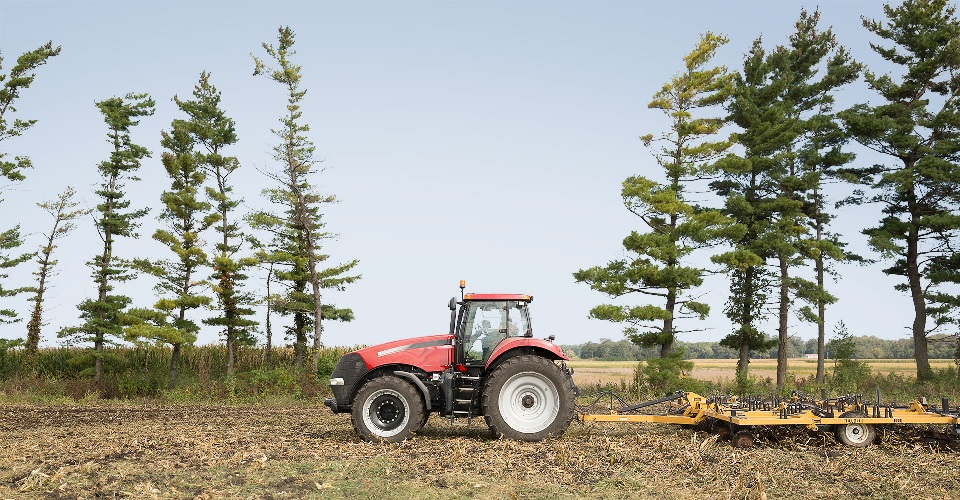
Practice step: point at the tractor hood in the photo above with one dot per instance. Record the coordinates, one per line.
(432, 353)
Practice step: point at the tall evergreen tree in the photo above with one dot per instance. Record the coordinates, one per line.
(751, 187)
(677, 228)
(184, 216)
(19, 78)
(818, 66)
(774, 189)
(918, 127)
(64, 211)
(211, 130)
(811, 68)
(295, 153)
(102, 317)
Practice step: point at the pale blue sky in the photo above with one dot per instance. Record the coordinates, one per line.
(483, 141)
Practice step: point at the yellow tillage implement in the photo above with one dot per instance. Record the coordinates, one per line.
(852, 420)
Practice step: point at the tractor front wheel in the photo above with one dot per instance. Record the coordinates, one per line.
(528, 398)
(387, 409)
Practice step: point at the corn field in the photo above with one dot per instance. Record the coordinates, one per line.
(144, 371)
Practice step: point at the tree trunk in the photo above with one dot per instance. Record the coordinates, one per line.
(184, 291)
(783, 313)
(102, 290)
(821, 320)
(746, 322)
(105, 259)
(174, 359)
(821, 304)
(821, 323)
(230, 344)
(920, 353)
(267, 351)
(668, 339)
(671, 304)
(226, 283)
(36, 317)
(314, 283)
(744, 362)
(300, 343)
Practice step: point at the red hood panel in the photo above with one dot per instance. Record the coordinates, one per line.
(432, 353)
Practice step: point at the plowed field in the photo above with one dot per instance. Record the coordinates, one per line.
(109, 451)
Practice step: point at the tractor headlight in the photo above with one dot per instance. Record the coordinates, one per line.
(336, 381)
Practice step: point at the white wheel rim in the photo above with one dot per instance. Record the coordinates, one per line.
(855, 433)
(373, 426)
(529, 402)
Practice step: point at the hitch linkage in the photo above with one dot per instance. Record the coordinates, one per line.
(673, 397)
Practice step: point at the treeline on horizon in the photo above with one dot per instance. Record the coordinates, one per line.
(866, 347)
(763, 140)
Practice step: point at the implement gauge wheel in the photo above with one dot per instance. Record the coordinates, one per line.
(855, 435)
(528, 398)
(387, 409)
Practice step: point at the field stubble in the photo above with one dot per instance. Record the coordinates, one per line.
(112, 450)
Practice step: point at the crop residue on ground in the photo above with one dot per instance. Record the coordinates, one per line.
(109, 450)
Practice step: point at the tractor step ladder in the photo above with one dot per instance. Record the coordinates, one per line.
(465, 389)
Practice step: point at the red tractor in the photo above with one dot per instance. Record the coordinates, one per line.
(488, 365)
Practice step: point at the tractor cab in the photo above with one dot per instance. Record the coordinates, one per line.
(485, 321)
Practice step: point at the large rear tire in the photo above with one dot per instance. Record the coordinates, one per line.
(528, 398)
(387, 409)
(855, 435)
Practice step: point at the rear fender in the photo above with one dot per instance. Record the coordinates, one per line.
(515, 346)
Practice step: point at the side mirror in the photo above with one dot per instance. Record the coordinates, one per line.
(453, 304)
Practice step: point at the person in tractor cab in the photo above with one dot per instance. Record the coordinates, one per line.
(485, 339)
(480, 341)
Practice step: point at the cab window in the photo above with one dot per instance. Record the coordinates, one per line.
(487, 323)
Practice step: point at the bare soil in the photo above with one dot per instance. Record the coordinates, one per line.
(120, 450)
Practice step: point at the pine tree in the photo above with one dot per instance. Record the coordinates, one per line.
(102, 317)
(19, 78)
(918, 126)
(184, 216)
(211, 130)
(781, 103)
(820, 158)
(677, 228)
(295, 153)
(64, 211)
(751, 186)
(810, 68)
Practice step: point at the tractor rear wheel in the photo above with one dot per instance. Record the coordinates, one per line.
(528, 398)
(387, 409)
(856, 435)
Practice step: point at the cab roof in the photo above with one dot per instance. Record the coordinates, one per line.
(498, 296)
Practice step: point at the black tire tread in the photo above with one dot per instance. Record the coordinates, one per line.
(529, 363)
(418, 413)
